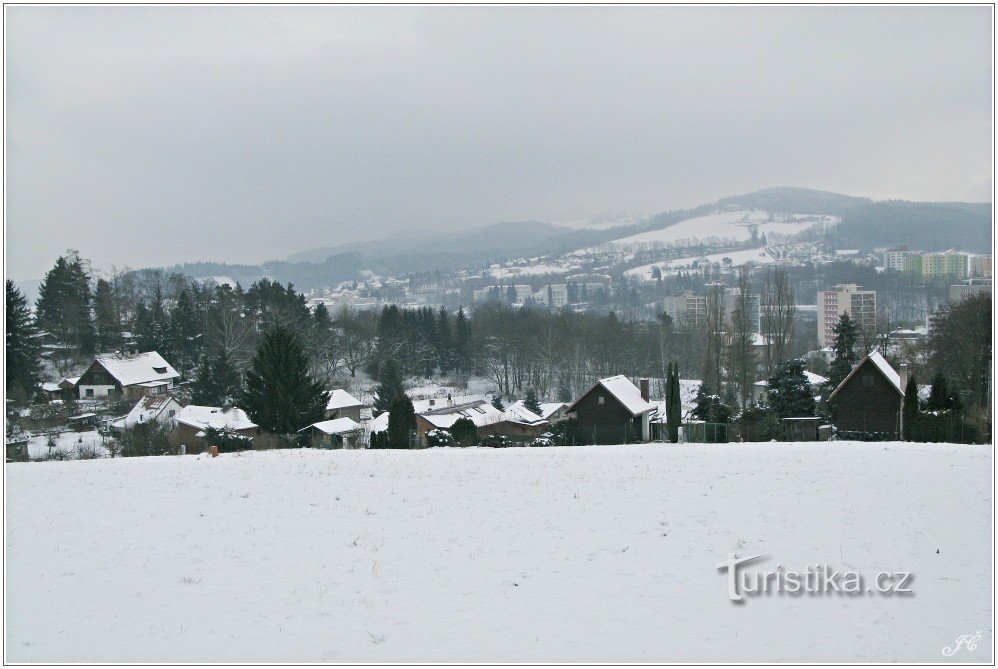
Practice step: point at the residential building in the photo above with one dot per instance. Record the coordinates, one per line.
(894, 258)
(127, 376)
(342, 404)
(946, 265)
(516, 421)
(613, 411)
(193, 420)
(336, 433)
(686, 307)
(846, 298)
(969, 287)
(161, 409)
(867, 404)
(980, 265)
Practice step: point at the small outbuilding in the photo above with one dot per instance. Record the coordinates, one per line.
(613, 411)
(335, 433)
(867, 404)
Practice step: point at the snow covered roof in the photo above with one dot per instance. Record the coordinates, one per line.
(547, 408)
(479, 412)
(812, 378)
(205, 417)
(50, 387)
(147, 408)
(335, 426)
(624, 391)
(130, 370)
(341, 399)
(379, 423)
(517, 413)
(438, 403)
(882, 366)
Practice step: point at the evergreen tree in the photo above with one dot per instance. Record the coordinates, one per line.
(673, 406)
(564, 388)
(846, 336)
(909, 409)
(22, 365)
(497, 402)
(464, 432)
(401, 421)
(445, 342)
(107, 324)
(789, 392)
(709, 407)
(64, 303)
(217, 382)
(940, 398)
(530, 401)
(186, 325)
(462, 342)
(204, 389)
(390, 385)
(280, 395)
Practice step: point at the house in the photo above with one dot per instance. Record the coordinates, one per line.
(51, 391)
(552, 412)
(867, 404)
(342, 404)
(336, 433)
(512, 422)
(160, 409)
(613, 411)
(761, 397)
(193, 420)
(129, 376)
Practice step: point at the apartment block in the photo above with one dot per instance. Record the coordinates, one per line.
(846, 298)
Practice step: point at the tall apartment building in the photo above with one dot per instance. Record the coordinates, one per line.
(980, 265)
(894, 258)
(554, 295)
(846, 298)
(693, 308)
(946, 265)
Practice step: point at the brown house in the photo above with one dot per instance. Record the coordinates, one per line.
(867, 404)
(613, 411)
(192, 421)
(129, 376)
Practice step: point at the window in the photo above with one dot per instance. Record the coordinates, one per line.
(173, 412)
(601, 400)
(90, 392)
(159, 370)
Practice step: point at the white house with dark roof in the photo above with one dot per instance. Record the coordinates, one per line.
(127, 376)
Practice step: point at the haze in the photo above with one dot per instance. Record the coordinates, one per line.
(146, 136)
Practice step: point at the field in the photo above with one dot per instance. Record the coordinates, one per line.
(590, 554)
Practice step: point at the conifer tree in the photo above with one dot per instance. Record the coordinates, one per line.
(846, 336)
(401, 421)
(22, 365)
(789, 392)
(389, 386)
(107, 325)
(530, 401)
(280, 394)
(497, 402)
(674, 408)
(64, 303)
(909, 409)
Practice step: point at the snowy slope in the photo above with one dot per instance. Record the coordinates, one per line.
(729, 226)
(738, 258)
(558, 554)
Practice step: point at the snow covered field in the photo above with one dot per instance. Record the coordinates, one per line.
(559, 554)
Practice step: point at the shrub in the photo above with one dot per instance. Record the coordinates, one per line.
(144, 439)
(439, 438)
(464, 432)
(227, 441)
(496, 441)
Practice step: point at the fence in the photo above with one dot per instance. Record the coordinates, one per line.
(699, 432)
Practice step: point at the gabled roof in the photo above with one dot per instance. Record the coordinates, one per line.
(205, 417)
(812, 379)
(335, 426)
(130, 370)
(547, 408)
(341, 399)
(882, 366)
(479, 412)
(517, 413)
(624, 392)
(147, 408)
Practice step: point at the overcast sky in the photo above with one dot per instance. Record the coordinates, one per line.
(148, 136)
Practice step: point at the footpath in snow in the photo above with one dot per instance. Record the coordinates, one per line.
(589, 554)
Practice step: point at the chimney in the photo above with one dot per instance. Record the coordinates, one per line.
(432, 402)
(904, 376)
(449, 400)
(644, 390)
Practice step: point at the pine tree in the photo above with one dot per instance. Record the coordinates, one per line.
(107, 325)
(216, 382)
(64, 303)
(401, 421)
(22, 365)
(497, 402)
(186, 326)
(909, 409)
(445, 342)
(940, 398)
(204, 389)
(462, 342)
(280, 395)
(389, 386)
(846, 336)
(789, 391)
(530, 401)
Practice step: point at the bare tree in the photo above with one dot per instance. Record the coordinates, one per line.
(778, 313)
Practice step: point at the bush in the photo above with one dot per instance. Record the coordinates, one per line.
(144, 439)
(379, 439)
(759, 424)
(227, 441)
(546, 439)
(464, 432)
(439, 438)
(496, 441)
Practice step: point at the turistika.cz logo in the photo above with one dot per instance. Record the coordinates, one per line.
(815, 580)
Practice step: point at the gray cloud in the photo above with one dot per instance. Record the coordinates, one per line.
(152, 135)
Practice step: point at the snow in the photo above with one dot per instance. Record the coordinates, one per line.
(626, 393)
(130, 370)
(812, 379)
(886, 369)
(340, 399)
(66, 443)
(148, 408)
(479, 411)
(725, 226)
(518, 413)
(584, 554)
(738, 258)
(335, 426)
(204, 417)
